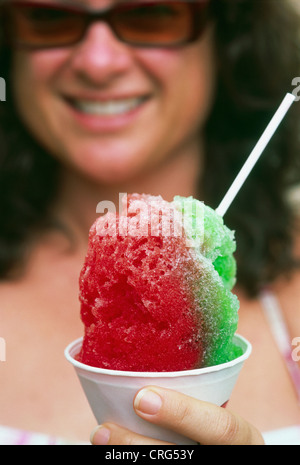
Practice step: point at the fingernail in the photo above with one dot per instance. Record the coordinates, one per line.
(100, 436)
(148, 401)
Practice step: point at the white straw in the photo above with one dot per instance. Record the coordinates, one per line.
(255, 154)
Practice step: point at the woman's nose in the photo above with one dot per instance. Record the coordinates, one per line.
(100, 56)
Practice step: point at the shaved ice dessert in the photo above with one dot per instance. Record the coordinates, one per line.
(155, 288)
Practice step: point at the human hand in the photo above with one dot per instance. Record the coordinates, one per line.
(200, 421)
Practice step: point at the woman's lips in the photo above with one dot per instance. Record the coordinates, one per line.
(106, 115)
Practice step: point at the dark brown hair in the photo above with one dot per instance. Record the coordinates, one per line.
(257, 43)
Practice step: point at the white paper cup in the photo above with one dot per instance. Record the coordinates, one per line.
(111, 392)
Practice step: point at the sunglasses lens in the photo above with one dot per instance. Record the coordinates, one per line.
(168, 23)
(154, 23)
(44, 26)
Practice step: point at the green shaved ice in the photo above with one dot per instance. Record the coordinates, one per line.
(219, 308)
(209, 236)
(212, 245)
(226, 268)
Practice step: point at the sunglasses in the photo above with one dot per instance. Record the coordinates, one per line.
(146, 24)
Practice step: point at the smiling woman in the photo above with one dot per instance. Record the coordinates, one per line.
(92, 112)
(102, 92)
(106, 97)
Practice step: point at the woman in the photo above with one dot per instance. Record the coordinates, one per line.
(99, 107)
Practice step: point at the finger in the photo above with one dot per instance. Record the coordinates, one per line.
(201, 421)
(111, 434)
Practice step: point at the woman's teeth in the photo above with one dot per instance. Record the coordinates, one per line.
(112, 107)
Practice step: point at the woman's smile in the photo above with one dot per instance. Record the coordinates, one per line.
(108, 108)
(111, 114)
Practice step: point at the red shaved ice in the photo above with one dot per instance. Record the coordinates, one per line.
(139, 292)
